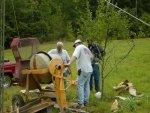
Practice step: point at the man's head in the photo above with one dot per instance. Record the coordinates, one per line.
(77, 42)
(59, 46)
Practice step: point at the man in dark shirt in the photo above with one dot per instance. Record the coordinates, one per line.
(98, 52)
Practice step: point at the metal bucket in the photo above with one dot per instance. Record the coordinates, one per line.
(41, 60)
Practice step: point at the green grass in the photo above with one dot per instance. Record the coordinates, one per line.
(136, 68)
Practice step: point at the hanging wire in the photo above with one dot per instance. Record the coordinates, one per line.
(124, 57)
(106, 41)
(14, 12)
(2, 11)
(104, 61)
(145, 23)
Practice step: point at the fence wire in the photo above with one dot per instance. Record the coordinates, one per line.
(2, 35)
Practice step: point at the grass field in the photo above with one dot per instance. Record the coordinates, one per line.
(135, 68)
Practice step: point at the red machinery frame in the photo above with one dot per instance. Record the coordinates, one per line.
(13, 69)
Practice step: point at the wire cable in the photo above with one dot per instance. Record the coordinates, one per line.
(2, 53)
(124, 57)
(16, 23)
(128, 14)
(107, 39)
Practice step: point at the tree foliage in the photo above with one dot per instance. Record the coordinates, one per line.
(66, 19)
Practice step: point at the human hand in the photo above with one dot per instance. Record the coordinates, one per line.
(67, 65)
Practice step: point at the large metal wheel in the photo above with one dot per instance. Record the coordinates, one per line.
(17, 101)
(6, 81)
(55, 64)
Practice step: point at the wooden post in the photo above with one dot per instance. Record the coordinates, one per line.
(60, 90)
(56, 68)
(27, 87)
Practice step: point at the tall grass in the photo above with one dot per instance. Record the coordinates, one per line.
(135, 68)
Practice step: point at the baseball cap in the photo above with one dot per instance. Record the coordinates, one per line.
(77, 41)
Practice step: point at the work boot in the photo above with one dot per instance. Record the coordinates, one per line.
(85, 103)
(79, 106)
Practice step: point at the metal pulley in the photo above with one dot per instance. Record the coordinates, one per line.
(56, 67)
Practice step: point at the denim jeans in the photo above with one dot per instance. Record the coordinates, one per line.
(96, 76)
(66, 74)
(83, 87)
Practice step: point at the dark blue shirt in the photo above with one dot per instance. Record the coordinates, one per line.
(97, 51)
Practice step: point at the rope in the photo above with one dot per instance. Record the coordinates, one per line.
(16, 23)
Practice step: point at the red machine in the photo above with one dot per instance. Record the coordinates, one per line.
(9, 70)
(22, 50)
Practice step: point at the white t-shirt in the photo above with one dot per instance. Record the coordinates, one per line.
(63, 55)
(84, 56)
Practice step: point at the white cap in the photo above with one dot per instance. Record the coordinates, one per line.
(77, 41)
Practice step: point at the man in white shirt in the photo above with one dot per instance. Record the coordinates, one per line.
(83, 57)
(61, 53)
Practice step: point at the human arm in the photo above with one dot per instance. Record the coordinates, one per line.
(52, 51)
(67, 57)
(73, 58)
(102, 51)
(75, 55)
(98, 51)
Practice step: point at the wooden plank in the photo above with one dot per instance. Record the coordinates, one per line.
(35, 71)
(28, 105)
(39, 107)
(34, 106)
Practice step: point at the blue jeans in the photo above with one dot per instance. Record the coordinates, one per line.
(66, 74)
(83, 87)
(96, 76)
